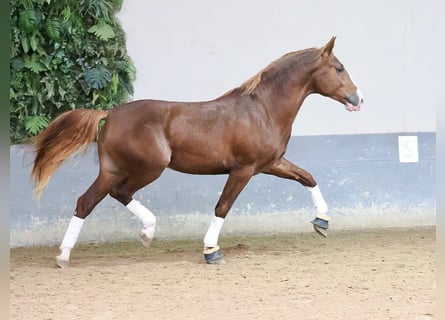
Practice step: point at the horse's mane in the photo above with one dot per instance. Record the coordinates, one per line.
(291, 59)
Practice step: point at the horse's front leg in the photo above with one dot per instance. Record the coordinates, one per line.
(235, 184)
(283, 168)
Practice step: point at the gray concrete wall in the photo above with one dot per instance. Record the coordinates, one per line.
(361, 177)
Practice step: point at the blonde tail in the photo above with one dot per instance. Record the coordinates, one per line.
(68, 133)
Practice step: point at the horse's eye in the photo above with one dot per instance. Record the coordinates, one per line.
(340, 69)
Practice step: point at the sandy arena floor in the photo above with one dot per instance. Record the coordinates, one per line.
(373, 274)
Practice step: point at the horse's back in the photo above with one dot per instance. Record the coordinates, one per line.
(139, 110)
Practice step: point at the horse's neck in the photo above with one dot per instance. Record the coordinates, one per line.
(284, 103)
(287, 85)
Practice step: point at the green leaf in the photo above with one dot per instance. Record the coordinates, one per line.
(103, 31)
(34, 42)
(47, 38)
(66, 13)
(49, 86)
(25, 44)
(114, 83)
(12, 94)
(16, 64)
(96, 95)
(28, 20)
(85, 87)
(97, 78)
(27, 4)
(53, 29)
(62, 92)
(35, 124)
(34, 66)
(97, 8)
(58, 104)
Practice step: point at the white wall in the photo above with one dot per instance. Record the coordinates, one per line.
(197, 49)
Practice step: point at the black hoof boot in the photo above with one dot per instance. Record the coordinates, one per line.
(321, 226)
(213, 256)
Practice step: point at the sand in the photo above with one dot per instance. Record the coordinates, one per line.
(367, 274)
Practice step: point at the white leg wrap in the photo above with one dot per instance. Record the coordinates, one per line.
(70, 238)
(319, 203)
(148, 220)
(212, 234)
(72, 233)
(146, 216)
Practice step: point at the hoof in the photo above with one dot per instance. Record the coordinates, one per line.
(322, 232)
(214, 256)
(321, 226)
(146, 242)
(62, 262)
(146, 238)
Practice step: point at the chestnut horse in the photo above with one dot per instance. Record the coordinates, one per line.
(242, 133)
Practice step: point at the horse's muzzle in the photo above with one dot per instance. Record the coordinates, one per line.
(354, 102)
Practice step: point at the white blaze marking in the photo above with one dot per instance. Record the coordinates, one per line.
(358, 91)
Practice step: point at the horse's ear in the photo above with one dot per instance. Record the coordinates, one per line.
(326, 51)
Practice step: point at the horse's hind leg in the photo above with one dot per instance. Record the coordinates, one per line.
(124, 194)
(120, 188)
(285, 169)
(85, 204)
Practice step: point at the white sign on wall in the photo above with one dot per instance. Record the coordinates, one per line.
(408, 149)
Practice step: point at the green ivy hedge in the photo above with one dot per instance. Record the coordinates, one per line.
(65, 54)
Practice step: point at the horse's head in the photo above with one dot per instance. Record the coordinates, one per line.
(332, 80)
